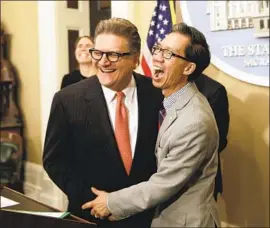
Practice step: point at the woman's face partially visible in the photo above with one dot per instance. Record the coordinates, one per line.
(82, 51)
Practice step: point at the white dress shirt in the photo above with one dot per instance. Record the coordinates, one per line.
(131, 102)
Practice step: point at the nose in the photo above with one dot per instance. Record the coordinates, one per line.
(104, 61)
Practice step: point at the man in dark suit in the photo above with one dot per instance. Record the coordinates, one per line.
(83, 147)
(217, 97)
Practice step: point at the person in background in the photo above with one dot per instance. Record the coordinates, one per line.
(216, 95)
(102, 131)
(83, 57)
(186, 147)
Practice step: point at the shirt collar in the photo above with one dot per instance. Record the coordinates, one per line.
(169, 101)
(128, 91)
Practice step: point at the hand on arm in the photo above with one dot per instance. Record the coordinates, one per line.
(186, 152)
(98, 206)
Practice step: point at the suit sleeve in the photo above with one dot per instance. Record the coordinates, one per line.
(58, 155)
(220, 106)
(187, 150)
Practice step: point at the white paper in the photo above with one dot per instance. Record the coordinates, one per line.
(5, 202)
(48, 214)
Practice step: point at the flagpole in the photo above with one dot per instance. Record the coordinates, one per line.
(172, 9)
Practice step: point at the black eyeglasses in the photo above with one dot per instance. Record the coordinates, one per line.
(166, 54)
(110, 55)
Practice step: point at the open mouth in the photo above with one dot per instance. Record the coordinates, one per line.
(157, 72)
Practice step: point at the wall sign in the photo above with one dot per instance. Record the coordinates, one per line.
(238, 35)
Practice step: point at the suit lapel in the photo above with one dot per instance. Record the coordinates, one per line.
(98, 117)
(142, 120)
(167, 122)
(171, 116)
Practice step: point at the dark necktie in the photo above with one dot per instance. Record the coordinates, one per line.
(161, 116)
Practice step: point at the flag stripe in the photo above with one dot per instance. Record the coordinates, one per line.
(146, 69)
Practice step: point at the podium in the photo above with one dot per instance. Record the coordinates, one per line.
(18, 220)
(10, 219)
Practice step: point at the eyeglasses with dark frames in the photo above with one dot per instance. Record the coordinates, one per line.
(166, 54)
(110, 55)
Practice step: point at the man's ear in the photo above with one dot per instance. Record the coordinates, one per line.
(189, 69)
(138, 63)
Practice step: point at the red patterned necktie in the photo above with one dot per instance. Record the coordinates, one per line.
(122, 132)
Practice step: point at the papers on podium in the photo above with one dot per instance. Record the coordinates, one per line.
(5, 202)
(47, 214)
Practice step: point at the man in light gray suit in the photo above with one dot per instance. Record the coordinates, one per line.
(186, 148)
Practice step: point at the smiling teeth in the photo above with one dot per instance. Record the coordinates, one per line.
(157, 69)
(107, 71)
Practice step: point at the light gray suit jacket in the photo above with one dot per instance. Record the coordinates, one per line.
(186, 152)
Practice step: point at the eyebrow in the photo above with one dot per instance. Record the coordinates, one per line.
(166, 47)
(159, 44)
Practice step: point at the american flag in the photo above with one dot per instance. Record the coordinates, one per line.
(161, 24)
